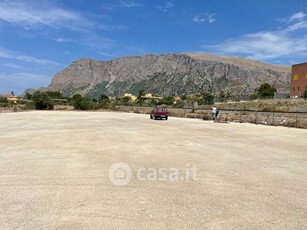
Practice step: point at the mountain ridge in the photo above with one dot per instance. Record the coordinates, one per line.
(168, 74)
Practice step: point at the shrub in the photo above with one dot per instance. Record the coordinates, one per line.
(103, 98)
(3, 104)
(55, 94)
(207, 99)
(167, 100)
(42, 101)
(3, 100)
(266, 91)
(82, 103)
(28, 96)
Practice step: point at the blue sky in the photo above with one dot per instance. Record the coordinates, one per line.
(38, 38)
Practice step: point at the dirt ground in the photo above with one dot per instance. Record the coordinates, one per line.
(54, 173)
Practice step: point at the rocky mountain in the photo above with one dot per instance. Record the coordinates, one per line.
(32, 90)
(169, 74)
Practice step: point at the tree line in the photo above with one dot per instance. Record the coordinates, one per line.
(47, 99)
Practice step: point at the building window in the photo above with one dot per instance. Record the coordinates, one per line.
(295, 77)
(306, 75)
(298, 88)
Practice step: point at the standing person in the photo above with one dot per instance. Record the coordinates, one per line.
(214, 111)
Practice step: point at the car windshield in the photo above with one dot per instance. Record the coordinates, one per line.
(161, 109)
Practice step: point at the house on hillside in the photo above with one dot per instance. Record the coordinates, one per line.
(150, 96)
(133, 97)
(10, 97)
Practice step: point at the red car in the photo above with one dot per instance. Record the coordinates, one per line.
(159, 113)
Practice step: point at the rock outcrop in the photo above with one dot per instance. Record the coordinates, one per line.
(169, 74)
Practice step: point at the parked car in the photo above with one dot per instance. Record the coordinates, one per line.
(159, 113)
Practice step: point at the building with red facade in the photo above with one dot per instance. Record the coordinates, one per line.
(298, 79)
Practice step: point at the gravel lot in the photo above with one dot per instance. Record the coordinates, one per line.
(54, 173)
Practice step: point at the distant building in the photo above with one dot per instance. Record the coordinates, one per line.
(146, 96)
(150, 96)
(133, 97)
(298, 79)
(10, 97)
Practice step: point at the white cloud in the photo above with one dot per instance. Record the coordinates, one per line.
(129, 4)
(24, 76)
(18, 82)
(109, 54)
(297, 17)
(297, 26)
(268, 45)
(112, 27)
(63, 40)
(167, 6)
(208, 18)
(31, 16)
(96, 42)
(121, 5)
(12, 65)
(37, 16)
(7, 54)
(264, 46)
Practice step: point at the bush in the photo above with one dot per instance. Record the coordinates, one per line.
(206, 99)
(266, 91)
(167, 100)
(3, 100)
(55, 94)
(82, 103)
(179, 104)
(42, 101)
(3, 104)
(104, 104)
(28, 96)
(29, 105)
(103, 98)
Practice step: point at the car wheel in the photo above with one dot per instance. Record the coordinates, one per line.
(150, 116)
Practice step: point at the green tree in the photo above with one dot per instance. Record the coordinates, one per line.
(141, 93)
(103, 97)
(28, 96)
(127, 101)
(266, 91)
(222, 96)
(305, 94)
(55, 94)
(206, 98)
(104, 101)
(82, 103)
(42, 101)
(183, 97)
(167, 100)
(3, 100)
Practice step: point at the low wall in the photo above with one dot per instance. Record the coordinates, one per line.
(289, 119)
